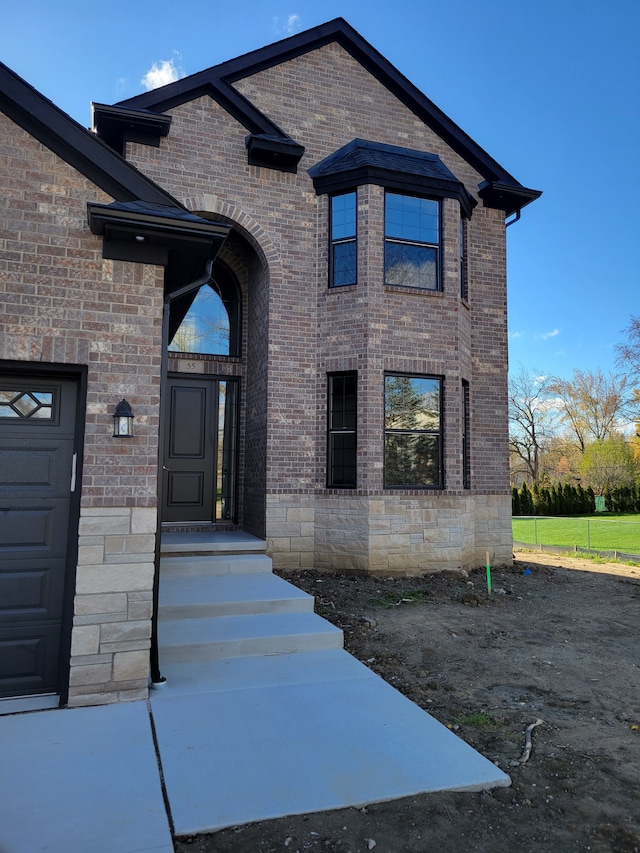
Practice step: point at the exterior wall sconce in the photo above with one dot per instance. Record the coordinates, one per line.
(123, 420)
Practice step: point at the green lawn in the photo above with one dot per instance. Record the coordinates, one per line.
(619, 532)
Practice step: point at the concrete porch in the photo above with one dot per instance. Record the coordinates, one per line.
(264, 714)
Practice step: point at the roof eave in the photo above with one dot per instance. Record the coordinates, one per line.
(117, 125)
(511, 198)
(77, 146)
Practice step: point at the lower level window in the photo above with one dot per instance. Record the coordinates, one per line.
(341, 465)
(413, 431)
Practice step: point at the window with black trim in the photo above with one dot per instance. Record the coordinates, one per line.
(342, 423)
(464, 283)
(344, 245)
(412, 241)
(413, 431)
(207, 320)
(466, 442)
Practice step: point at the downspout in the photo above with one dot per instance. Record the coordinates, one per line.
(157, 679)
(511, 221)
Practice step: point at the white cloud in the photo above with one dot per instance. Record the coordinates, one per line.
(546, 335)
(515, 335)
(287, 26)
(163, 72)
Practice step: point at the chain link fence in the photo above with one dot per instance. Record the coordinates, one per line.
(608, 538)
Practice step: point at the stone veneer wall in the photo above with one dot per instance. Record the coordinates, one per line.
(113, 605)
(388, 534)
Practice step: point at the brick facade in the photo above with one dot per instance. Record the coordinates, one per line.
(62, 304)
(299, 329)
(71, 301)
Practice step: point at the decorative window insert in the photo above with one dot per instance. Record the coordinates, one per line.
(342, 430)
(412, 242)
(413, 432)
(466, 441)
(27, 405)
(343, 251)
(464, 282)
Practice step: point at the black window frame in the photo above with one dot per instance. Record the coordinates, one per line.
(333, 431)
(466, 437)
(464, 272)
(437, 247)
(225, 285)
(439, 434)
(334, 242)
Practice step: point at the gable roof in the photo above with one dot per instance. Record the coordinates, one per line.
(217, 82)
(51, 126)
(153, 227)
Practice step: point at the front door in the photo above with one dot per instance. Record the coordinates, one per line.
(37, 431)
(200, 449)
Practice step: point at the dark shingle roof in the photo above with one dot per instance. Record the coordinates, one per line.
(362, 161)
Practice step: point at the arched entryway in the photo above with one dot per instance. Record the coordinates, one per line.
(200, 444)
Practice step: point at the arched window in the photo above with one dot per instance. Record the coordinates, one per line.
(206, 321)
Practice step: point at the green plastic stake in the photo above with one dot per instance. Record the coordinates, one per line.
(488, 575)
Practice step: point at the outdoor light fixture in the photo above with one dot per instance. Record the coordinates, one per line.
(123, 420)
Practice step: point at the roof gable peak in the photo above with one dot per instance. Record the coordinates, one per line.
(218, 81)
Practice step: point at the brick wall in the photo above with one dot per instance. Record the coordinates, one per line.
(61, 303)
(299, 330)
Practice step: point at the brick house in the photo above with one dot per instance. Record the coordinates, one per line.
(291, 266)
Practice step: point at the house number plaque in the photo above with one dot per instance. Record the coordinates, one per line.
(190, 365)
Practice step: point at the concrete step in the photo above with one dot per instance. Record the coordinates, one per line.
(214, 564)
(258, 673)
(200, 596)
(217, 542)
(218, 637)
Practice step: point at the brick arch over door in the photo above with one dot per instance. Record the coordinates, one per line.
(207, 204)
(265, 271)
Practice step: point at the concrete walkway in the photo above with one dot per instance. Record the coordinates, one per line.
(263, 715)
(269, 737)
(80, 780)
(291, 734)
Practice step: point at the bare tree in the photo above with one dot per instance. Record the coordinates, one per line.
(628, 357)
(629, 360)
(531, 420)
(591, 404)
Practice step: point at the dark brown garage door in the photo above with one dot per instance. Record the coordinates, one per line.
(37, 421)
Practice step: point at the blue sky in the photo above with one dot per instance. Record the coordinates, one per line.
(551, 89)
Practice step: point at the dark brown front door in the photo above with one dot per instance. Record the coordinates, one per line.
(199, 450)
(37, 426)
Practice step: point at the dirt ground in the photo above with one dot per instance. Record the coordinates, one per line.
(558, 640)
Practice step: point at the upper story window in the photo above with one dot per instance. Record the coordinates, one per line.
(206, 321)
(412, 241)
(413, 431)
(464, 282)
(343, 266)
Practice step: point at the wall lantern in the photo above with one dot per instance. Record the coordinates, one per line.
(123, 420)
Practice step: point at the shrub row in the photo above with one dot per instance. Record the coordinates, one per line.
(564, 499)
